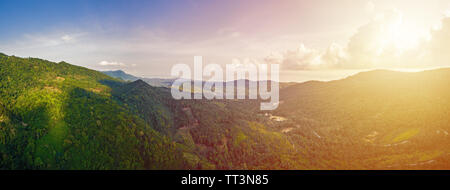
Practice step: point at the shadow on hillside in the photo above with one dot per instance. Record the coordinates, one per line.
(97, 129)
(26, 130)
(105, 135)
(113, 84)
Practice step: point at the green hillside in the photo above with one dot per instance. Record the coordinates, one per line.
(61, 116)
(374, 120)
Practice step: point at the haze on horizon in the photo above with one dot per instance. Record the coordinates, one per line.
(311, 40)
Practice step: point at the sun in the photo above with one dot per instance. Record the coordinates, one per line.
(400, 34)
(404, 36)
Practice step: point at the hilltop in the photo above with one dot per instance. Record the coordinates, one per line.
(121, 75)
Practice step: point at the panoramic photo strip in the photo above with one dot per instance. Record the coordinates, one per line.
(224, 93)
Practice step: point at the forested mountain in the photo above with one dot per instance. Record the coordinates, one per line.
(61, 116)
(378, 119)
(121, 75)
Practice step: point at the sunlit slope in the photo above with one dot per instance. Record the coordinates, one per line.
(377, 119)
(61, 116)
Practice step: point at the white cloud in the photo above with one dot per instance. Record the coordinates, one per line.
(447, 13)
(439, 45)
(304, 58)
(67, 38)
(384, 42)
(107, 63)
(370, 7)
(334, 56)
(49, 40)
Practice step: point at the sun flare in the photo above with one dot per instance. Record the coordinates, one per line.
(399, 34)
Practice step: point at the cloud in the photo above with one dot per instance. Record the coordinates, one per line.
(107, 63)
(370, 7)
(229, 32)
(334, 56)
(439, 45)
(67, 38)
(304, 58)
(49, 40)
(384, 42)
(375, 40)
(447, 13)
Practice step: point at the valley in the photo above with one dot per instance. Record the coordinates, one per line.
(61, 116)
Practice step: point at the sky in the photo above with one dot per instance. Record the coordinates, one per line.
(310, 39)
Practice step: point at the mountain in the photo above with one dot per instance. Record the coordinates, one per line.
(161, 82)
(157, 82)
(121, 75)
(374, 120)
(378, 119)
(61, 116)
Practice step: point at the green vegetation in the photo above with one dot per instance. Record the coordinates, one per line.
(373, 120)
(56, 115)
(61, 116)
(406, 135)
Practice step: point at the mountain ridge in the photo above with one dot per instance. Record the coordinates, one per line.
(60, 116)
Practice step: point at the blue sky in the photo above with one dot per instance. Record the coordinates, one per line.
(27, 16)
(312, 39)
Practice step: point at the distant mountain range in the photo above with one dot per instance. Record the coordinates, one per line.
(121, 75)
(61, 116)
(160, 82)
(157, 82)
